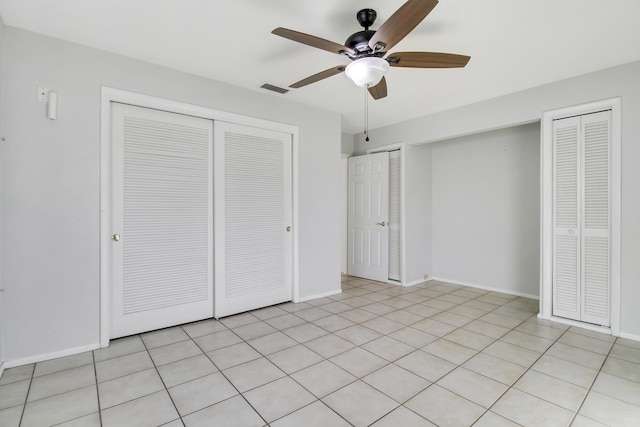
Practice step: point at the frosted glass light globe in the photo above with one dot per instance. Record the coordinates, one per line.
(367, 71)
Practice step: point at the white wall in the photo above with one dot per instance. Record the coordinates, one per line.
(486, 209)
(527, 107)
(51, 211)
(346, 149)
(346, 144)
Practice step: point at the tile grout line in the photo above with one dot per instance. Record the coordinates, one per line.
(520, 306)
(400, 404)
(155, 366)
(522, 375)
(317, 399)
(472, 319)
(303, 344)
(530, 366)
(584, 399)
(575, 414)
(95, 373)
(241, 394)
(478, 352)
(420, 349)
(339, 367)
(327, 360)
(24, 407)
(360, 346)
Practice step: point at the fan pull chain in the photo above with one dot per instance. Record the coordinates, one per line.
(366, 113)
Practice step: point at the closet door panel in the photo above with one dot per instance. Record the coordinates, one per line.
(254, 250)
(596, 218)
(395, 218)
(566, 216)
(595, 302)
(162, 246)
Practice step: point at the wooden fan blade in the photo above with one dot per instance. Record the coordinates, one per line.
(427, 60)
(313, 41)
(380, 90)
(401, 23)
(319, 76)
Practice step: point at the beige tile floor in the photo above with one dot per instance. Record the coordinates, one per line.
(381, 355)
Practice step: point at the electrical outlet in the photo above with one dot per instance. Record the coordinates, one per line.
(426, 277)
(42, 93)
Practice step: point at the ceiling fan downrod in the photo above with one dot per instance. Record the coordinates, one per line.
(366, 17)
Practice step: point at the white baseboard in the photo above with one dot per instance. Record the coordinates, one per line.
(578, 324)
(589, 326)
(487, 288)
(415, 282)
(632, 337)
(48, 356)
(326, 294)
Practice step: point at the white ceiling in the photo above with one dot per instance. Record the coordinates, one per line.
(513, 44)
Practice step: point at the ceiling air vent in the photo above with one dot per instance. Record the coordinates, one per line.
(274, 88)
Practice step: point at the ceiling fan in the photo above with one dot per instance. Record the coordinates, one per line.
(368, 49)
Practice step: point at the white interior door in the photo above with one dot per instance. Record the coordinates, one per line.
(253, 218)
(162, 219)
(368, 216)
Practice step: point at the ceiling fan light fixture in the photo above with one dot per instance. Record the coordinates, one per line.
(367, 71)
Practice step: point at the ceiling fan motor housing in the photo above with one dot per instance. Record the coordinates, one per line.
(360, 41)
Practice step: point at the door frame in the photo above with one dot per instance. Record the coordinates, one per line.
(344, 213)
(109, 95)
(546, 214)
(393, 147)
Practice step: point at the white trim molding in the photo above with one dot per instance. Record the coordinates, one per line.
(631, 337)
(323, 295)
(546, 223)
(485, 288)
(109, 95)
(48, 356)
(589, 326)
(415, 282)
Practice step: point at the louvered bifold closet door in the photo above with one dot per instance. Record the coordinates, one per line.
(395, 258)
(253, 214)
(596, 131)
(163, 218)
(566, 218)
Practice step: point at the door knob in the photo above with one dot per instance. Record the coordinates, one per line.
(381, 223)
(115, 237)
